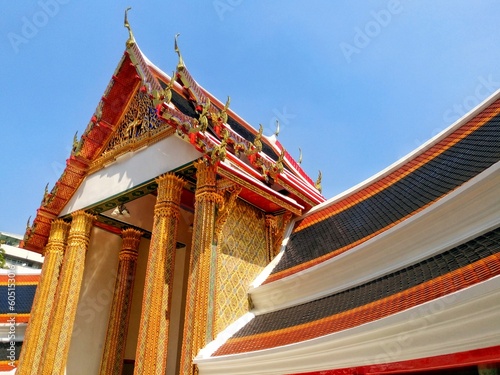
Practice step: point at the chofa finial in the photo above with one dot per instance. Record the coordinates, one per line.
(180, 64)
(318, 182)
(131, 39)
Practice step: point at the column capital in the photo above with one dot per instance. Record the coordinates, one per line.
(206, 174)
(131, 238)
(81, 222)
(58, 236)
(169, 188)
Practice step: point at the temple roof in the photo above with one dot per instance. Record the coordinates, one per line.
(420, 181)
(423, 229)
(455, 269)
(176, 106)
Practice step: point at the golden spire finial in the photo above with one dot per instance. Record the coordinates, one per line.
(131, 39)
(180, 64)
(300, 156)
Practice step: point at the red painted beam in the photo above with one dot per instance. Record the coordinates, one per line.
(489, 355)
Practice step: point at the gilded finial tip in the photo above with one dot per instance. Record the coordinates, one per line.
(180, 64)
(130, 39)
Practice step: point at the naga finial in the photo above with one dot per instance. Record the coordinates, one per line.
(219, 152)
(180, 64)
(223, 113)
(318, 182)
(45, 195)
(131, 40)
(203, 119)
(165, 95)
(28, 223)
(257, 143)
(279, 166)
(300, 156)
(277, 128)
(74, 148)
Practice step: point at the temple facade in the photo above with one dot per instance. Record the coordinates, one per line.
(181, 240)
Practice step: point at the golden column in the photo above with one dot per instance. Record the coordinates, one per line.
(116, 336)
(151, 354)
(68, 291)
(199, 319)
(31, 353)
(271, 229)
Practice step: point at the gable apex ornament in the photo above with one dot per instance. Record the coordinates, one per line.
(131, 40)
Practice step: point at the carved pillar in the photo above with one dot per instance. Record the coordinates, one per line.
(116, 336)
(271, 228)
(275, 231)
(68, 291)
(151, 354)
(198, 321)
(31, 353)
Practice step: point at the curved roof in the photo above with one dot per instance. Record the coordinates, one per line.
(422, 180)
(361, 267)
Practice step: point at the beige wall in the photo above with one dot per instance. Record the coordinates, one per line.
(96, 295)
(135, 311)
(178, 296)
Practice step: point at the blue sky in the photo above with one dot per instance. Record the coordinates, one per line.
(355, 84)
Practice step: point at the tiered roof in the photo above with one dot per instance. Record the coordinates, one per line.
(422, 230)
(178, 106)
(407, 190)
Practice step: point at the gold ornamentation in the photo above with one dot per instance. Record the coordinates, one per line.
(230, 197)
(156, 306)
(68, 290)
(218, 153)
(165, 95)
(260, 192)
(223, 114)
(139, 127)
(278, 167)
(279, 232)
(49, 197)
(131, 40)
(36, 333)
(318, 182)
(257, 143)
(180, 64)
(199, 318)
(202, 119)
(116, 336)
(77, 145)
(241, 256)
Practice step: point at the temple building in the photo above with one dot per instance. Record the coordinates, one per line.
(181, 240)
